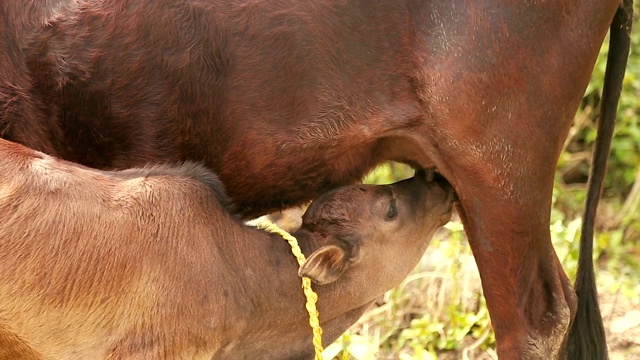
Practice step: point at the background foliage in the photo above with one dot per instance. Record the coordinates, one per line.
(439, 311)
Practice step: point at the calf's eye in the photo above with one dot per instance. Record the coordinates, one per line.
(392, 212)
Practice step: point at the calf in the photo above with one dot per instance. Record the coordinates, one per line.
(150, 263)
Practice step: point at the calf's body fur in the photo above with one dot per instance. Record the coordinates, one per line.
(150, 263)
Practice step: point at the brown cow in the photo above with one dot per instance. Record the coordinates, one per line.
(288, 99)
(149, 263)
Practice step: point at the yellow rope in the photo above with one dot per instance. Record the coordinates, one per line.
(311, 296)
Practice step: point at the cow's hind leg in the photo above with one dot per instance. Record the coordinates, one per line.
(528, 294)
(505, 187)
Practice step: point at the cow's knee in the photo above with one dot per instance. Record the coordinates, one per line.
(548, 309)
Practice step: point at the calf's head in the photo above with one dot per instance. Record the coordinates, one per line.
(374, 232)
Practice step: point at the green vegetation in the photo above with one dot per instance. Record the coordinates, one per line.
(439, 312)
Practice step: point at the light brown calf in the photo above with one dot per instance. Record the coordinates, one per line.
(150, 263)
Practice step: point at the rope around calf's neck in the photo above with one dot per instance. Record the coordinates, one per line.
(311, 296)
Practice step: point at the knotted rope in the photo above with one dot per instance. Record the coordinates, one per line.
(311, 296)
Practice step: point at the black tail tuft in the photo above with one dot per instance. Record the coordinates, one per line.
(587, 337)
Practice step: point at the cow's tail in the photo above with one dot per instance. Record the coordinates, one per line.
(586, 336)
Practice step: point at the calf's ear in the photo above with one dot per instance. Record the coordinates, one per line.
(326, 264)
